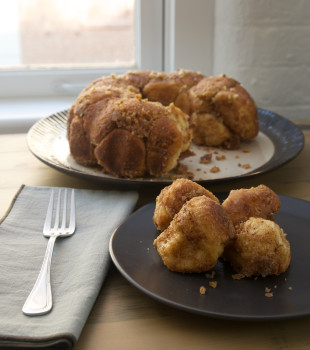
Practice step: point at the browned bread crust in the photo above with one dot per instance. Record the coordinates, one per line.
(172, 88)
(196, 236)
(260, 249)
(129, 137)
(171, 199)
(260, 201)
(232, 108)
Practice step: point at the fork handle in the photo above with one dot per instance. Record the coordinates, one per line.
(39, 300)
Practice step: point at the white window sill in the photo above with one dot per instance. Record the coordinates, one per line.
(18, 115)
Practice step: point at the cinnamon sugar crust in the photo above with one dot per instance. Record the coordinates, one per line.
(171, 199)
(196, 237)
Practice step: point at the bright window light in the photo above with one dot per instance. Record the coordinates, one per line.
(67, 33)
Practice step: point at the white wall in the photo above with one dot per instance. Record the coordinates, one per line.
(265, 44)
(188, 35)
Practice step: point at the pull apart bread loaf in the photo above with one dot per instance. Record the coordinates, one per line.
(139, 123)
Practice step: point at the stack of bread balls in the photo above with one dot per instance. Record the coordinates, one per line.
(196, 230)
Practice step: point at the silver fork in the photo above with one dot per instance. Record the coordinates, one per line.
(39, 300)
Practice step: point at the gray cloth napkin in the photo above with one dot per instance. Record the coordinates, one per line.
(79, 265)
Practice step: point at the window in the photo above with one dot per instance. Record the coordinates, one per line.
(61, 33)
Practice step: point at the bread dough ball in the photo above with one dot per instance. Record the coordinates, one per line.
(260, 249)
(258, 201)
(196, 237)
(172, 88)
(229, 103)
(209, 130)
(171, 199)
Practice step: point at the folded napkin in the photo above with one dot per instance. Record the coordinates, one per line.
(79, 265)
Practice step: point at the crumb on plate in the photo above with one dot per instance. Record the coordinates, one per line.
(215, 169)
(202, 290)
(213, 284)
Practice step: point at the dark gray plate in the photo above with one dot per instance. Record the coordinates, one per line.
(278, 142)
(132, 251)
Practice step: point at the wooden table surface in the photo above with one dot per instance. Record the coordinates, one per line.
(125, 318)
